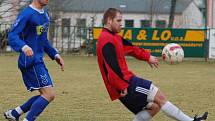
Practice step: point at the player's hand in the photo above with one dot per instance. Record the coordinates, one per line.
(124, 92)
(153, 62)
(28, 51)
(60, 61)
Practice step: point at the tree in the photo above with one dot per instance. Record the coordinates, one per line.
(10, 8)
(172, 13)
(8, 12)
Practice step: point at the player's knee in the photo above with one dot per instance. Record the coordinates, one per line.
(154, 108)
(160, 98)
(49, 96)
(52, 96)
(48, 93)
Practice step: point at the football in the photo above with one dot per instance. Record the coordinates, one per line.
(173, 53)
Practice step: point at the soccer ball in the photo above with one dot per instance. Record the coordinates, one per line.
(173, 53)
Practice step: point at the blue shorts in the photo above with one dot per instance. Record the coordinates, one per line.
(138, 90)
(36, 77)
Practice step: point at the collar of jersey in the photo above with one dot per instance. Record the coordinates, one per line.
(109, 31)
(41, 11)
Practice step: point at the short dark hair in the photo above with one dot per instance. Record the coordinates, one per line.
(110, 13)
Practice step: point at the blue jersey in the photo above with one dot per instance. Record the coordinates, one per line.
(30, 28)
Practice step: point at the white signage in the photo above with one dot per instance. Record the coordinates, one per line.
(212, 44)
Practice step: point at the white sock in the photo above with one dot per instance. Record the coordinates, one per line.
(142, 116)
(19, 110)
(174, 112)
(25, 119)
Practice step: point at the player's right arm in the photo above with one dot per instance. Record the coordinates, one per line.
(15, 35)
(115, 75)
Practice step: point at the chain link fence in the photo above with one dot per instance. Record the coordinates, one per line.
(66, 39)
(71, 39)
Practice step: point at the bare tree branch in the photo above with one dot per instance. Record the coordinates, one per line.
(9, 8)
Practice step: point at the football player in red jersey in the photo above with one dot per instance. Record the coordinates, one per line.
(139, 95)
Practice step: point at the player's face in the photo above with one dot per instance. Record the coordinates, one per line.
(43, 2)
(116, 23)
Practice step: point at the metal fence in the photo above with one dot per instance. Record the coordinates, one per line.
(4, 28)
(71, 39)
(66, 39)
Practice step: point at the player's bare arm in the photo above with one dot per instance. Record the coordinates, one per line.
(28, 51)
(153, 62)
(60, 61)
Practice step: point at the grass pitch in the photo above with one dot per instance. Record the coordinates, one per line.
(81, 95)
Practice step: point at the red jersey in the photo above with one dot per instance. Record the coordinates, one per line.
(111, 51)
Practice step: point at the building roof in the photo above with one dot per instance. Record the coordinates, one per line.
(128, 6)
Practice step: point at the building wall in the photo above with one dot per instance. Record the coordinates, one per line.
(181, 20)
(211, 14)
(98, 18)
(190, 18)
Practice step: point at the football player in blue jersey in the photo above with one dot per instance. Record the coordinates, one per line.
(28, 36)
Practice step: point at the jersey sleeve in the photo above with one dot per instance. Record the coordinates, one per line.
(51, 51)
(14, 35)
(48, 48)
(135, 51)
(115, 75)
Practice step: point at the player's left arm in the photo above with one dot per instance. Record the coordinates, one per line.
(135, 51)
(53, 54)
(140, 53)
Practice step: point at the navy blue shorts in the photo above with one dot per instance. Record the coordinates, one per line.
(138, 90)
(36, 77)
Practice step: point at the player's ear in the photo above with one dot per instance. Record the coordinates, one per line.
(109, 20)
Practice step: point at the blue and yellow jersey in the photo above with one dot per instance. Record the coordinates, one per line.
(30, 28)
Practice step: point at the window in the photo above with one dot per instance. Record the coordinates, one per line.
(129, 23)
(160, 23)
(145, 23)
(65, 27)
(81, 28)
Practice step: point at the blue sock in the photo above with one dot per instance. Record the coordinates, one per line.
(25, 107)
(37, 107)
(15, 114)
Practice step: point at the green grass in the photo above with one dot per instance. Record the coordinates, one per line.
(81, 95)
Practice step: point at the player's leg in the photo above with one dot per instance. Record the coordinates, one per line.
(43, 83)
(47, 95)
(170, 109)
(145, 115)
(138, 99)
(31, 84)
(14, 114)
(151, 108)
